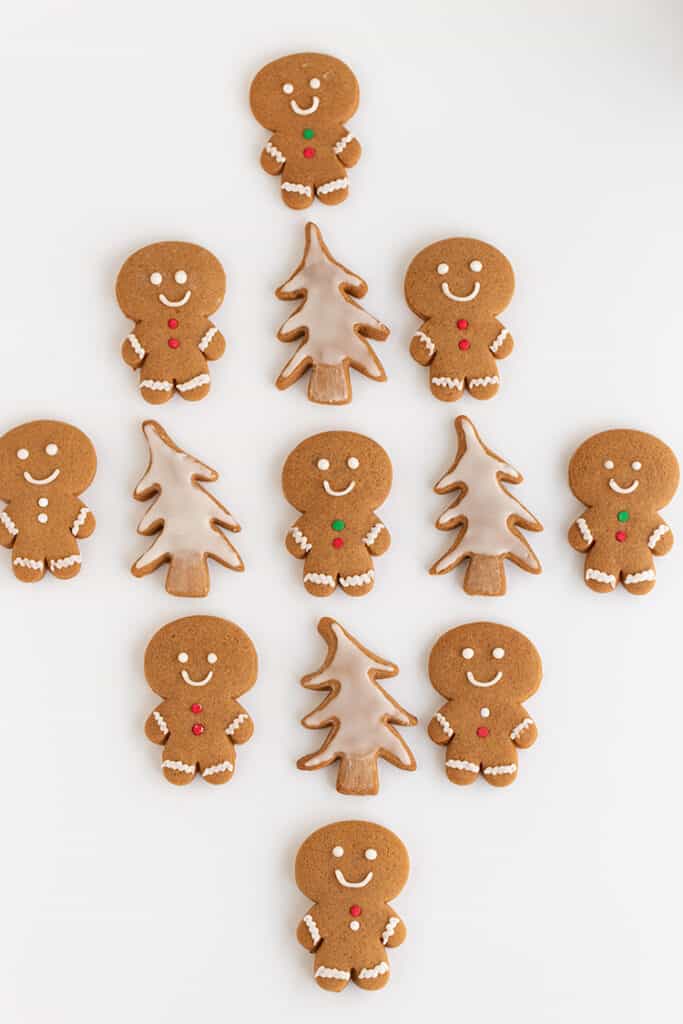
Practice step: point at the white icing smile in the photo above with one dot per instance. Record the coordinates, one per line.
(622, 490)
(197, 682)
(338, 494)
(477, 682)
(180, 302)
(339, 875)
(460, 298)
(305, 111)
(46, 479)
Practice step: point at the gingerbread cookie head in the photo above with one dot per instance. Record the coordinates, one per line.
(45, 456)
(170, 276)
(484, 659)
(200, 655)
(458, 277)
(303, 90)
(337, 468)
(624, 465)
(352, 858)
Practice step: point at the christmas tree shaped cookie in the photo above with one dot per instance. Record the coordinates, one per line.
(332, 328)
(486, 516)
(187, 519)
(359, 712)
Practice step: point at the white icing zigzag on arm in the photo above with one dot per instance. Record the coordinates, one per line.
(444, 723)
(601, 577)
(161, 722)
(276, 154)
(654, 536)
(136, 346)
(301, 539)
(498, 341)
(427, 342)
(584, 530)
(390, 929)
(236, 723)
(313, 930)
(340, 146)
(79, 520)
(373, 534)
(9, 524)
(207, 338)
(521, 727)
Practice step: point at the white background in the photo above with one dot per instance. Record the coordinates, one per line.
(551, 130)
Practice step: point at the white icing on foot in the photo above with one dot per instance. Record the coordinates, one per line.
(216, 769)
(332, 186)
(321, 579)
(501, 769)
(332, 972)
(374, 972)
(463, 766)
(291, 186)
(156, 385)
(64, 563)
(195, 382)
(29, 563)
(601, 577)
(179, 766)
(639, 577)
(483, 382)
(448, 382)
(361, 580)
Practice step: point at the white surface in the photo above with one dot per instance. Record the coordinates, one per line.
(551, 130)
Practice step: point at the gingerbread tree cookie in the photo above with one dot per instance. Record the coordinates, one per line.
(350, 870)
(486, 516)
(44, 466)
(359, 712)
(330, 325)
(303, 100)
(188, 519)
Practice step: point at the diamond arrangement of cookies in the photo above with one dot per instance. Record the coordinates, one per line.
(201, 666)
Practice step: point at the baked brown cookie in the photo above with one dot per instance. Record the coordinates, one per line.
(350, 870)
(332, 328)
(199, 665)
(458, 287)
(624, 477)
(486, 517)
(486, 671)
(337, 480)
(360, 714)
(304, 100)
(170, 289)
(44, 466)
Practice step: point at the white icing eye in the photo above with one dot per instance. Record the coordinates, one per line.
(212, 658)
(352, 462)
(636, 465)
(323, 463)
(314, 83)
(338, 851)
(51, 449)
(22, 454)
(467, 653)
(183, 657)
(476, 266)
(498, 652)
(442, 268)
(608, 464)
(371, 854)
(288, 88)
(155, 278)
(180, 277)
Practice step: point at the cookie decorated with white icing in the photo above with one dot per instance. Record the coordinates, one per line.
(44, 467)
(200, 665)
(485, 671)
(304, 101)
(459, 287)
(623, 477)
(337, 480)
(350, 870)
(487, 518)
(333, 330)
(186, 520)
(170, 290)
(359, 713)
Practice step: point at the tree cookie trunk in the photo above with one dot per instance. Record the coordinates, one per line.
(485, 576)
(188, 575)
(329, 385)
(358, 776)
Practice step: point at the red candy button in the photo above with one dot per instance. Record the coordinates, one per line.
(464, 344)
(482, 731)
(173, 323)
(355, 910)
(337, 542)
(173, 343)
(195, 709)
(198, 728)
(463, 325)
(620, 535)
(309, 152)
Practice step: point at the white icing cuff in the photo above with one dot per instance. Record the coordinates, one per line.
(601, 577)
(216, 769)
(301, 539)
(361, 580)
(136, 346)
(340, 146)
(518, 729)
(498, 341)
(207, 339)
(291, 186)
(332, 186)
(501, 769)
(312, 929)
(332, 972)
(29, 563)
(64, 563)
(79, 520)
(584, 530)
(426, 341)
(236, 723)
(640, 577)
(179, 766)
(374, 972)
(373, 534)
(390, 929)
(448, 382)
(444, 723)
(321, 579)
(463, 766)
(483, 382)
(9, 524)
(157, 385)
(654, 536)
(276, 154)
(194, 382)
(161, 722)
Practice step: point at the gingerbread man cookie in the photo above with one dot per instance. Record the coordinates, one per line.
(170, 289)
(44, 466)
(350, 870)
(458, 287)
(337, 480)
(486, 671)
(304, 100)
(199, 665)
(623, 477)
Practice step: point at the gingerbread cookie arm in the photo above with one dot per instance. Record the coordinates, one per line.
(378, 538)
(347, 148)
(156, 726)
(133, 351)
(296, 541)
(308, 931)
(661, 539)
(83, 524)
(9, 530)
(272, 157)
(423, 346)
(395, 930)
(240, 727)
(440, 728)
(524, 733)
(502, 343)
(212, 342)
(580, 534)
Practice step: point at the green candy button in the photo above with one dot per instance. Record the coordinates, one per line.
(308, 133)
(623, 517)
(338, 524)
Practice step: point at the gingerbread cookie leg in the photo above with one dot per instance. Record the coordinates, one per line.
(221, 767)
(334, 191)
(446, 388)
(28, 564)
(484, 386)
(298, 195)
(175, 765)
(375, 975)
(499, 767)
(601, 571)
(196, 384)
(331, 972)
(154, 389)
(638, 573)
(316, 580)
(360, 581)
(462, 764)
(64, 561)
